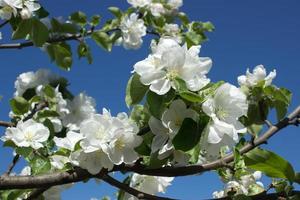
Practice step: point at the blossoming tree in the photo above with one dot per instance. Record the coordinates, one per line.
(180, 123)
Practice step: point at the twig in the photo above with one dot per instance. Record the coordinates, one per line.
(4, 23)
(36, 193)
(140, 195)
(6, 124)
(12, 165)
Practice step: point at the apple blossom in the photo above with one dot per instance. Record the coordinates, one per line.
(82, 107)
(93, 162)
(27, 134)
(225, 108)
(175, 4)
(32, 80)
(259, 74)
(157, 9)
(139, 3)
(133, 29)
(58, 161)
(68, 142)
(149, 184)
(166, 129)
(169, 61)
(8, 9)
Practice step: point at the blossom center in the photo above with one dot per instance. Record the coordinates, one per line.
(119, 144)
(29, 136)
(172, 74)
(221, 113)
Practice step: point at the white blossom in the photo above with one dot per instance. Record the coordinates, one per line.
(259, 74)
(27, 134)
(116, 136)
(247, 184)
(133, 29)
(68, 142)
(175, 4)
(139, 3)
(32, 80)
(93, 162)
(58, 161)
(157, 9)
(166, 129)
(224, 108)
(10, 8)
(149, 184)
(173, 31)
(168, 61)
(82, 107)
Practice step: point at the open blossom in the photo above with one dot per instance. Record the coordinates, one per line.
(246, 184)
(168, 61)
(175, 4)
(93, 162)
(259, 74)
(28, 134)
(116, 136)
(133, 29)
(224, 108)
(32, 80)
(10, 8)
(139, 3)
(166, 129)
(157, 9)
(68, 142)
(173, 31)
(82, 107)
(58, 161)
(149, 184)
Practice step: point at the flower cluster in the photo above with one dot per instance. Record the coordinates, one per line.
(10, 8)
(169, 61)
(247, 185)
(148, 184)
(157, 8)
(133, 29)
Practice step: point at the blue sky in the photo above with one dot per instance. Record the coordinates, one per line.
(247, 33)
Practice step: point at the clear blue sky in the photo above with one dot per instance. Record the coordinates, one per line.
(247, 33)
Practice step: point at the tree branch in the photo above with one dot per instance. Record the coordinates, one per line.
(140, 195)
(77, 175)
(6, 124)
(12, 165)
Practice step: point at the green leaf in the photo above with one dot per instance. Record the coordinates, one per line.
(40, 165)
(24, 28)
(83, 50)
(49, 91)
(184, 19)
(269, 163)
(116, 12)
(39, 33)
(47, 113)
(95, 20)
(208, 26)
(24, 151)
(79, 18)
(19, 105)
(62, 55)
(102, 39)
(41, 13)
(135, 90)
(158, 103)
(188, 135)
(192, 38)
(190, 96)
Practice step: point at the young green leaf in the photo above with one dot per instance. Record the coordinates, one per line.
(269, 163)
(102, 39)
(39, 33)
(135, 90)
(19, 105)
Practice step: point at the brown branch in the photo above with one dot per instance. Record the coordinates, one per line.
(48, 180)
(4, 23)
(6, 124)
(51, 40)
(126, 188)
(12, 165)
(36, 193)
(59, 39)
(266, 196)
